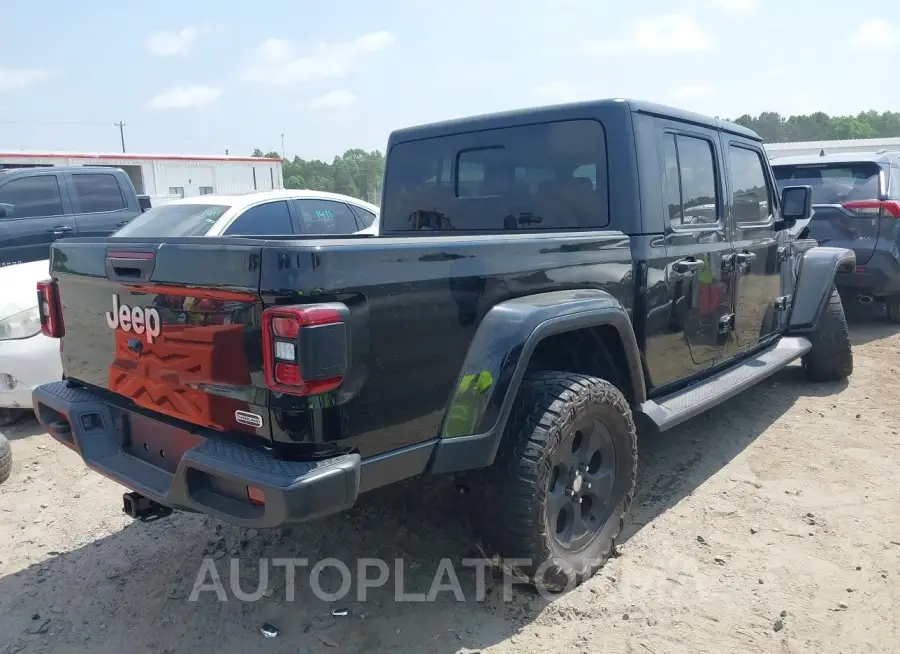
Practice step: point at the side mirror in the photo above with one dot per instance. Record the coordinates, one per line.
(796, 205)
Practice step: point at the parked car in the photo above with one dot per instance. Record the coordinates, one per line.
(856, 205)
(508, 330)
(260, 213)
(39, 205)
(28, 358)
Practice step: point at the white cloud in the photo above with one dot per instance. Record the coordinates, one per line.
(666, 34)
(182, 97)
(278, 62)
(691, 92)
(334, 100)
(875, 34)
(12, 78)
(737, 6)
(180, 42)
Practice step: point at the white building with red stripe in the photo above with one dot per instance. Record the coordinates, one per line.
(165, 177)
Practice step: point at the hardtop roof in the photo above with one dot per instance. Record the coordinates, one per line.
(587, 109)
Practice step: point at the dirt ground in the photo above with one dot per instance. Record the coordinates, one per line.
(772, 524)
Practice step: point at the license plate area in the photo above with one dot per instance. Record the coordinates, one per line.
(157, 443)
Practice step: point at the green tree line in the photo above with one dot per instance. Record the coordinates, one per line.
(775, 128)
(358, 173)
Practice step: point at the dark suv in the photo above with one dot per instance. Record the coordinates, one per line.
(856, 202)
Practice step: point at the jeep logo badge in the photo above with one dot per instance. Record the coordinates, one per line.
(137, 319)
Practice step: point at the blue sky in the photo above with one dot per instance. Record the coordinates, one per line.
(202, 77)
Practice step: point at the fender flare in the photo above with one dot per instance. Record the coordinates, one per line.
(502, 348)
(812, 289)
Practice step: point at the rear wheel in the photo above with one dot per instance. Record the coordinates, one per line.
(563, 480)
(831, 356)
(5, 459)
(893, 308)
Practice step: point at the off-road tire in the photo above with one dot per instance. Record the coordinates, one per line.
(831, 356)
(5, 459)
(893, 308)
(509, 504)
(10, 416)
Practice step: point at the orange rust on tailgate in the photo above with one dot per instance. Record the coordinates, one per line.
(161, 376)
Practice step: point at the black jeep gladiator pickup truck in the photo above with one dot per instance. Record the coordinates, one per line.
(542, 280)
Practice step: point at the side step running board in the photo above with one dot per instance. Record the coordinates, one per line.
(671, 410)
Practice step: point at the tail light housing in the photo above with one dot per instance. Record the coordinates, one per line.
(50, 309)
(306, 348)
(880, 208)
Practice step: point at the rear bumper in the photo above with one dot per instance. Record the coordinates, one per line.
(878, 277)
(182, 470)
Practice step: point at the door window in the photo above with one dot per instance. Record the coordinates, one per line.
(31, 197)
(271, 218)
(98, 192)
(751, 195)
(325, 217)
(690, 185)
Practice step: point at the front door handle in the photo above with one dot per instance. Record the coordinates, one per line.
(61, 229)
(745, 257)
(687, 265)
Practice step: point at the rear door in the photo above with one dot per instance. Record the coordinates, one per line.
(698, 243)
(843, 196)
(100, 202)
(171, 328)
(34, 211)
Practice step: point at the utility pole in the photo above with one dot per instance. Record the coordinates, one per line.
(121, 127)
(282, 146)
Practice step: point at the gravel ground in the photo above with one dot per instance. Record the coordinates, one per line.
(770, 524)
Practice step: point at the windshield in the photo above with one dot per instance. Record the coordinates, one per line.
(170, 220)
(832, 183)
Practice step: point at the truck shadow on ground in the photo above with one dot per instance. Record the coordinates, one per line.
(132, 591)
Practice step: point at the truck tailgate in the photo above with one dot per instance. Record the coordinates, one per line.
(173, 327)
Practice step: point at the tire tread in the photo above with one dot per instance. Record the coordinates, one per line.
(546, 405)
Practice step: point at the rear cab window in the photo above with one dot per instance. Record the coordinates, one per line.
(833, 183)
(548, 176)
(173, 220)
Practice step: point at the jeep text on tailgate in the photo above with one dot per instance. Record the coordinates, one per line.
(539, 279)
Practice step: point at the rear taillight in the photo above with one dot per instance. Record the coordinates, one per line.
(306, 349)
(50, 309)
(886, 208)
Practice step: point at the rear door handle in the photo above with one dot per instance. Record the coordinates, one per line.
(61, 229)
(687, 265)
